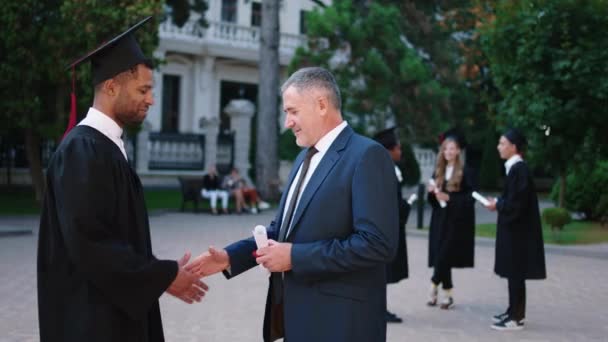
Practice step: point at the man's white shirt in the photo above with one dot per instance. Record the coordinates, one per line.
(108, 127)
(512, 161)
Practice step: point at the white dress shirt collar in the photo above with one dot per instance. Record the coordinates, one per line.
(512, 161)
(325, 142)
(106, 126)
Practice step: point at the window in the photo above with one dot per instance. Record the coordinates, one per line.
(303, 15)
(229, 11)
(256, 14)
(170, 105)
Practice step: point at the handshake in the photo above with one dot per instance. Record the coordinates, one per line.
(187, 286)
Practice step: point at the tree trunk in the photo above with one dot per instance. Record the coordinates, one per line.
(32, 148)
(562, 188)
(267, 161)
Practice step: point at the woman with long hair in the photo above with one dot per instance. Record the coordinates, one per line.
(452, 230)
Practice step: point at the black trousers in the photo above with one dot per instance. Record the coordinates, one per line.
(443, 275)
(517, 299)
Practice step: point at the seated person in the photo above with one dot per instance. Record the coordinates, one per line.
(212, 190)
(242, 192)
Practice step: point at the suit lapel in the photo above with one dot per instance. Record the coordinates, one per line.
(325, 166)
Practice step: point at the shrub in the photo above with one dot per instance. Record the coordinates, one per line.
(585, 191)
(557, 218)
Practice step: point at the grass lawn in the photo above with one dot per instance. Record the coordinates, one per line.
(575, 233)
(21, 201)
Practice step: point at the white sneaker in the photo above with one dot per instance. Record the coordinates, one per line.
(508, 324)
(254, 210)
(263, 205)
(447, 303)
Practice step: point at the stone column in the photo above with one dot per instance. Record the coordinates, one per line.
(210, 127)
(241, 111)
(142, 147)
(154, 117)
(203, 84)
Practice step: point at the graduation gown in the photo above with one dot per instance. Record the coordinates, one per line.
(520, 252)
(398, 269)
(452, 229)
(97, 277)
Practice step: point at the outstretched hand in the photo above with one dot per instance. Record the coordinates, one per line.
(187, 286)
(210, 262)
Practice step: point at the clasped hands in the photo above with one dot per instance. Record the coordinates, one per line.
(276, 257)
(440, 195)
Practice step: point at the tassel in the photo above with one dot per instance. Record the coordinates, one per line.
(72, 120)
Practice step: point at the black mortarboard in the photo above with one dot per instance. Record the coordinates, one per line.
(108, 60)
(516, 138)
(387, 138)
(454, 134)
(115, 56)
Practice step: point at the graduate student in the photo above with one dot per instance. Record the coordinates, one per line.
(397, 270)
(98, 279)
(452, 229)
(520, 253)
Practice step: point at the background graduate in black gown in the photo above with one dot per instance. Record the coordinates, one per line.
(97, 277)
(398, 269)
(452, 229)
(520, 253)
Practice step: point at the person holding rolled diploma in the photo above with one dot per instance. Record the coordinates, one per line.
(452, 229)
(519, 252)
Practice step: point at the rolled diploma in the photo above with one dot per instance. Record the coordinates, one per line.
(476, 195)
(432, 182)
(261, 240)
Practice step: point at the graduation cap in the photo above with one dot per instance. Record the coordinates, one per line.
(455, 135)
(108, 60)
(387, 138)
(516, 138)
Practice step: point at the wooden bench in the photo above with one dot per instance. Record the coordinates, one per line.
(191, 190)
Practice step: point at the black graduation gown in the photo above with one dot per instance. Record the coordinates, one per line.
(452, 230)
(398, 269)
(97, 277)
(520, 252)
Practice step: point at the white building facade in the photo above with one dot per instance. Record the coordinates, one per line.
(206, 91)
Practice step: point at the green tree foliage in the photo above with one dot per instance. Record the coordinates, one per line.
(181, 10)
(548, 59)
(382, 77)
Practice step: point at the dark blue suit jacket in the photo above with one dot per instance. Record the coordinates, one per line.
(344, 232)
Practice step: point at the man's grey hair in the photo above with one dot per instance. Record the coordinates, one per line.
(315, 77)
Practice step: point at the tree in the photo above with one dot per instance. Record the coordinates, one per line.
(40, 38)
(381, 76)
(267, 160)
(548, 59)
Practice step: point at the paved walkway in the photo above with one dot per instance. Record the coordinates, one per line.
(569, 306)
